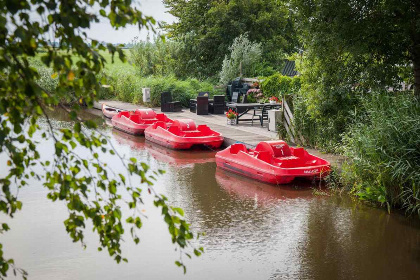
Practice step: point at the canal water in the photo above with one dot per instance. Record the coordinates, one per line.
(253, 230)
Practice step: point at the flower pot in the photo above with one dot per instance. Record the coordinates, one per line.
(273, 102)
(231, 121)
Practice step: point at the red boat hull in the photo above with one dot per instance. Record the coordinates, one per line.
(265, 166)
(136, 122)
(182, 135)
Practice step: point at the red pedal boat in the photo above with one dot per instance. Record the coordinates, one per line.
(109, 111)
(272, 162)
(136, 122)
(183, 134)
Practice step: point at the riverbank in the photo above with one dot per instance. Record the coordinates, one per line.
(245, 133)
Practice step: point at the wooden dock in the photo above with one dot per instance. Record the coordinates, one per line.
(245, 133)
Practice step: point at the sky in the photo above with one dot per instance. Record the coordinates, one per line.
(104, 32)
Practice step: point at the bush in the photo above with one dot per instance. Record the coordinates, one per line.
(127, 86)
(278, 85)
(382, 148)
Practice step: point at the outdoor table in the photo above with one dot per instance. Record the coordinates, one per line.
(244, 108)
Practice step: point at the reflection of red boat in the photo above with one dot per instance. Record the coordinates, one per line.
(178, 158)
(250, 189)
(136, 122)
(272, 162)
(136, 143)
(183, 134)
(109, 111)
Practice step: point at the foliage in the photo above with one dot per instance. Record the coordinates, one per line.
(207, 29)
(26, 95)
(154, 58)
(383, 151)
(244, 58)
(329, 94)
(127, 86)
(376, 40)
(279, 85)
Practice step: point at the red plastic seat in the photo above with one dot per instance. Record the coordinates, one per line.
(124, 113)
(236, 148)
(146, 114)
(185, 124)
(275, 148)
(299, 152)
(265, 156)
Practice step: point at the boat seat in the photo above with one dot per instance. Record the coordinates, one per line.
(159, 124)
(124, 113)
(236, 148)
(146, 114)
(275, 148)
(186, 124)
(299, 152)
(203, 128)
(162, 117)
(135, 118)
(264, 156)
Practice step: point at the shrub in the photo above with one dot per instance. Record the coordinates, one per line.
(127, 86)
(383, 153)
(278, 85)
(245, 54)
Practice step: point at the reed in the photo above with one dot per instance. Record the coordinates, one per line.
(383, 151)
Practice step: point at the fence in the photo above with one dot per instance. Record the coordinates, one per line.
(287, 121)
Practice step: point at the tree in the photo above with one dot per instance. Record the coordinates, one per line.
(378, 39)
(207, 30)
(76, 61)
(244, 57)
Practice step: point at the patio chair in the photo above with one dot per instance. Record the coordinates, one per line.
(167, 105)
(235, 97)
(202, 105)
(194, 103)
(262, 113)
(218, 105)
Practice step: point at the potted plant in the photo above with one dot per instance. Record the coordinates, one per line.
(274, 100)
(231, 117)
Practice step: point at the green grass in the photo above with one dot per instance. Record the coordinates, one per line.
(126, 82)
(382, 148)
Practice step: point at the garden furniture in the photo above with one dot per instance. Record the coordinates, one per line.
(200, 105)
(262, 112)
(167, 105)
(243, 108)
(217, 105)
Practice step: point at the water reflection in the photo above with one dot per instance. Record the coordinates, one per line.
(163, 154)
(253, 230)
(345, 239)
(262, 193)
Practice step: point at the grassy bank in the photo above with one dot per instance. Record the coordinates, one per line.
(382, 148)
(127, 86)
(123, 82)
